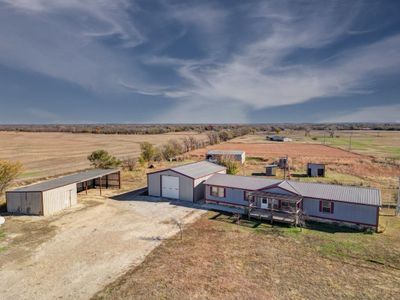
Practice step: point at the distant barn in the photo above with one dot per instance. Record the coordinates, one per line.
(216, 155)
(278, 138)
(315, 170)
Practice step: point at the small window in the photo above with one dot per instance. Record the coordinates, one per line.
(327, 207)
(264, 200)
(217, 191)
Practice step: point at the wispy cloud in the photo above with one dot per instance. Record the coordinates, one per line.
(386, 113)
(243, 57)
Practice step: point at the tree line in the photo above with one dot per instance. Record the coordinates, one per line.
(166, 128)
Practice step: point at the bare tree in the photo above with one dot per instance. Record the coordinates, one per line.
(180, 225)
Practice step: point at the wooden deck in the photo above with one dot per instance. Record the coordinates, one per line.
(273, 215)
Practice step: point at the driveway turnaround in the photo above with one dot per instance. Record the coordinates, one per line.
(74, 254)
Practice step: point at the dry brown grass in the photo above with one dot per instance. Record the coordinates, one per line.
(48, 154)
(220, 260)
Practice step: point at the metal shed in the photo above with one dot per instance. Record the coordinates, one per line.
(215, 155)
(315, 170)
(270, 170)
(183, 182)
(54, 195)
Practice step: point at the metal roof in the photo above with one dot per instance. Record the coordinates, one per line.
(241, 182)
(66, 180)
(345, 193)
(226, 152)
(351, 194)
(198, 169)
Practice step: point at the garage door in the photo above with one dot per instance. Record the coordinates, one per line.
(170, 187)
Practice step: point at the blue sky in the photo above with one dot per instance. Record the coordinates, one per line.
(130, 61)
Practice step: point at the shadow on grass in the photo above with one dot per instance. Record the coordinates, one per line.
(258, 174)
(3, 207)
(282, 228)
(299, 175)
(330, 228)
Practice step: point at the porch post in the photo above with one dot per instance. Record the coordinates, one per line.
(100, 185)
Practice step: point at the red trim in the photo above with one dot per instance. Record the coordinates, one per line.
(320, 205)
(281, 189)
(317, 199)
(332, 207)
(377, 218)
(374, 225)
(230, 187)
(304, 197)
(195, 178)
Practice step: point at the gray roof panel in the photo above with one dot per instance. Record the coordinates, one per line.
(66, 180)
(198, 169)
(351, 194)
(241, 182)
(225, 152)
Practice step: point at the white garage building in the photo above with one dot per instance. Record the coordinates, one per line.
(54, 195)
(184, 182)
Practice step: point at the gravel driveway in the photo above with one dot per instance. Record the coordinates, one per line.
(74, 254)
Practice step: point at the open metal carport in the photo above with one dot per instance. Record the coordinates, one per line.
(54, 195)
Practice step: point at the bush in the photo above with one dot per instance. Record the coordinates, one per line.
(148, 152)
(232, 166)
(103, 160)
(129, 164)
(8, 172)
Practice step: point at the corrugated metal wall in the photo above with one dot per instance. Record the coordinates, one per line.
(185, 185)
(59, 199)
(24, 202)
(349, 212)
(199, 187)
(233, 196)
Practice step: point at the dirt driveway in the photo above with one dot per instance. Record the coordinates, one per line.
(74, 254)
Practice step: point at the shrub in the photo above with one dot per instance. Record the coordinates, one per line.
(148, 152)
(232, 166)
(8, 172)
(129, 164)
(103, 160)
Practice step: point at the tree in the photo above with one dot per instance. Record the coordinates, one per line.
(8, 172)
(103, 160)
(232, 166)
(171, 149)
(129, 163)
(148, 152)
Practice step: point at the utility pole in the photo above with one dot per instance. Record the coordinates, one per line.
(398, 201)
(285, 166)
(351, 134)
(324, 136)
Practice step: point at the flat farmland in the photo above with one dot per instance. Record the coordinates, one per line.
(49, 153)
(369, 166)
(268, 150)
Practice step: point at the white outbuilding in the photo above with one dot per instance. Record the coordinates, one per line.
(184, 182)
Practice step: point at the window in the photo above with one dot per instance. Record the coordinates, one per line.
(247, 196)
(217, 191)
(326, 207)
(264, 200)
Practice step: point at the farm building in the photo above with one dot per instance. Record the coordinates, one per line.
(315, 170)
(270, 170)
(291, 201)
(51, 196)
(278, 138)
(184, 182)
(216, 155)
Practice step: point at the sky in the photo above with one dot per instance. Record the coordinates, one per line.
(150, 61)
